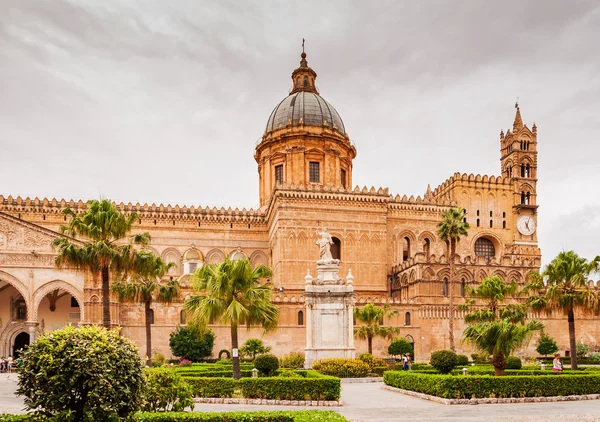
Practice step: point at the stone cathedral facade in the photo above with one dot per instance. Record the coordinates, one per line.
(305, 162)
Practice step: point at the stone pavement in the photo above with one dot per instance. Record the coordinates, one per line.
(369, 402)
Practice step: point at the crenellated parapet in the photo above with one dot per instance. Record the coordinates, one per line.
(27, 205)
(471, 180)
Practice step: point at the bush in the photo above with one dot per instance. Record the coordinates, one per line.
(400, 346)
(342, 367)
(484, 386)
(443, 360)
(166, 391)
(324, 388)
(513, 362)
(87, 372)
(582, 350)
(546, 345)
(594, 357)
(372, 361)
(211, 387)
(191, 344)
(462, 360)
(293, 360)
(481, 358)
(266, 364)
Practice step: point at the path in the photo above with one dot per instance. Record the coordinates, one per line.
(369, 402)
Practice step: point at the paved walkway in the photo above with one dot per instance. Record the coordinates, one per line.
(369, 402)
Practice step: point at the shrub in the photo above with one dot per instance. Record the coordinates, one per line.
(462, 360)
(87, 372)
(185, 363)
(513, 362)
(278, 416)
(594, 357)
(443, 360)
(211, 387)
(267, 364)
(372, 361)
(582, 350)
(191, 344)
(293, 360)
(166, 391)
(481, 358)
(158, 359)
(484, 386)
(342, 367)
(226, 353)
(324, 388)
(253, 347)
(400, 346)
(287, 373)
(546, 345)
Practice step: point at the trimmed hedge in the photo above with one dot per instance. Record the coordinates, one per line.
(342, 367)
(324, 388)
(484, 386)
(214, 374)
(211, 387)
(278, 416)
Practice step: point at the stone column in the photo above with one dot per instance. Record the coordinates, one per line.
(32, 327)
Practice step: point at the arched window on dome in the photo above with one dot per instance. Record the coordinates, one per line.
(298, 82)
(306, 82)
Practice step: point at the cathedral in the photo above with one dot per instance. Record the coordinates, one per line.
(305, 161)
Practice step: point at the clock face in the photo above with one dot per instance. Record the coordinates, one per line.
(526, 225)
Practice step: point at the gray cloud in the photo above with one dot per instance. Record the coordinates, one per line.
(163, 101)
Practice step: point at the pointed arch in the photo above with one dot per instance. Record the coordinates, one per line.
(215, 256)
(51, 286)
(428, 274)
(19, 285)
(259, 258)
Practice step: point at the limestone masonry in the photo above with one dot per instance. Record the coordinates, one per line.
(305, 162)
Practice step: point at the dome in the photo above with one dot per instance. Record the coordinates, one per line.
(309, 107)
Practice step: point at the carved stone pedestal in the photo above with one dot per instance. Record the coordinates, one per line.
(329, 303)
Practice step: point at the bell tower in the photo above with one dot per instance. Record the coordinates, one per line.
(518, 150)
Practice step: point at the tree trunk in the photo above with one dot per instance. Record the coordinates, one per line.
(572, 338)
(451, 303)
(499, 362)
(370, 343)
(148, 334)
(234, 345)
(105, 297)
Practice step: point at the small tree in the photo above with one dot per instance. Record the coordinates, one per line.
(372, 318)
(253, 347)
(582, 350)
(400, 346)
(191, 343)
(267, 364)
(444, 361)
(546, 345)
(78, 374)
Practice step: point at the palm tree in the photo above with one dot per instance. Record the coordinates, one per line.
(562, 286)
(372, 318)
(496, 329)
(231, 292)
(450, 230)
(104, 228)
(144, 286)
(253, 347)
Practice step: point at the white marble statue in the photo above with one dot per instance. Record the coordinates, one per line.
(324, 242)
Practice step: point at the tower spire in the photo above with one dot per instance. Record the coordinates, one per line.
(518, 124)
(304, 77)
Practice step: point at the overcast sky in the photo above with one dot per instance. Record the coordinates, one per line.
(163, 101)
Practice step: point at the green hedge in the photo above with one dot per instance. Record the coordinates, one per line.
(310, 388)
(211, 387)
(279, 416)
(483, 386)
(213, 374)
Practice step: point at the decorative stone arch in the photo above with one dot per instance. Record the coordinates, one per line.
(406, 233)
(9, 334)
(404, 280)
(51, 286)
(502, 275)
(428, 274)
(259, 258)
(237, 253)
(173, 255)
(215, 256)
(444, 273)
(21, 288)
(464, 273)
(151, 249)
(413, 276)
(496, 241)
(481, 274)
(350, 239)
(514, 275)
(427, 235)
(527, 187)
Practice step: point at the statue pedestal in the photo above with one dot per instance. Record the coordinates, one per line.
(329, 302)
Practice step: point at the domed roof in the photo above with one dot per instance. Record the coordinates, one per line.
(305, 107)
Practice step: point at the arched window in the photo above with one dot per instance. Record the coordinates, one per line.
(306, 82)
(298, 82)
(491, 223)
(405, 248)
(445, 287)
(463, 284)
(407, 318)
(151, 316)
(336, 248)
(484, 247)
(504, 224)
(427, 248)
(527, 171)
(478, 222)
(182, 319)
(522, 170)
(300, 318)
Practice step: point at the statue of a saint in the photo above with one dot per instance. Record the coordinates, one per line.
(324, 242)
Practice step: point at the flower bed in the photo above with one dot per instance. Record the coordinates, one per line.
(484, 386)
